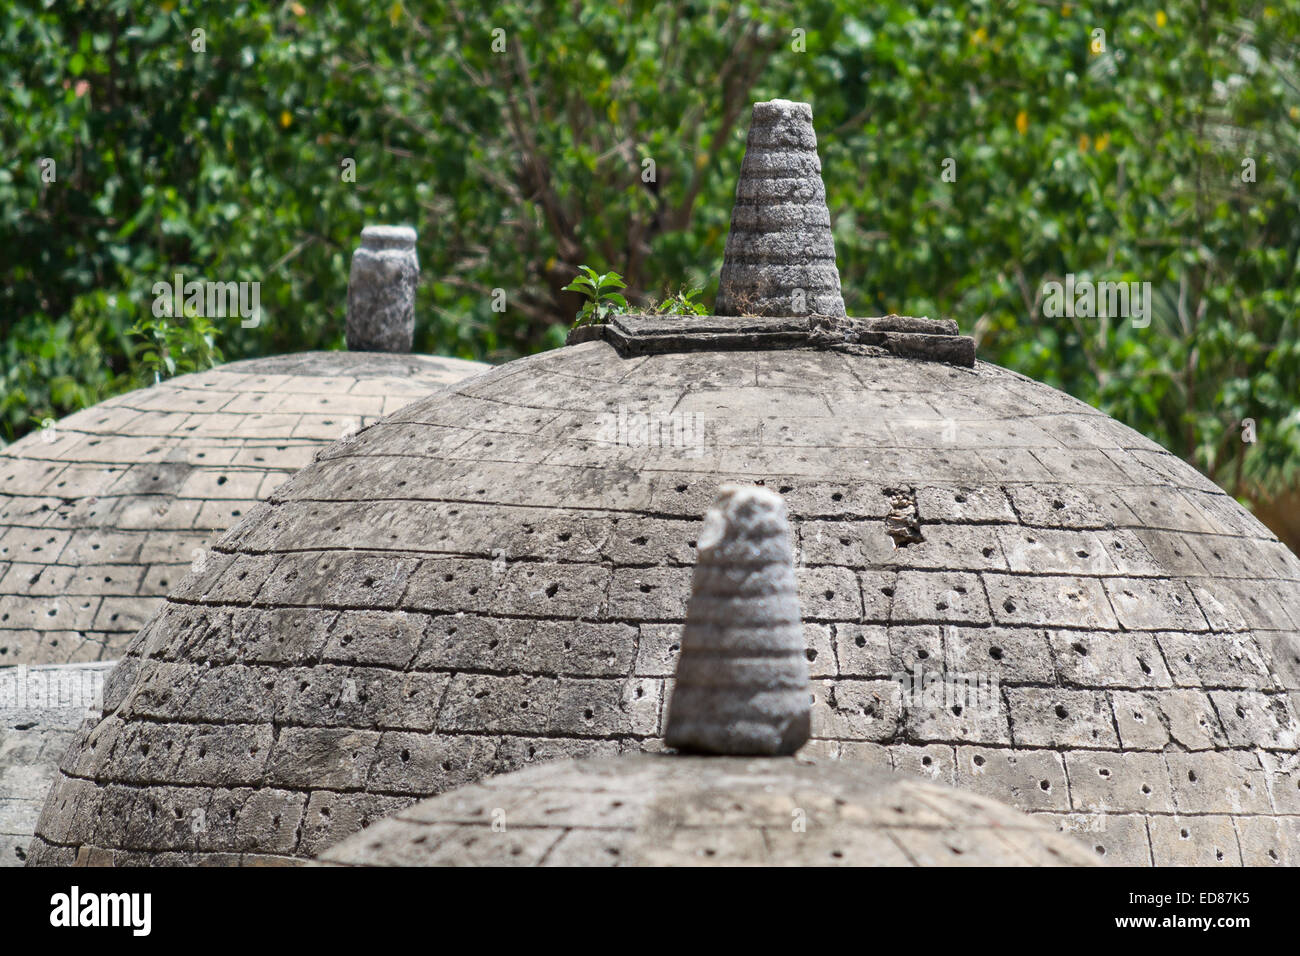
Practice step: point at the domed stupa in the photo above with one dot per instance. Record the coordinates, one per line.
(662, 810)
(1001, 588)
(102, 512)
(740, 693)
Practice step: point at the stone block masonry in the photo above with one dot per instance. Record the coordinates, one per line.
(103, 513)
(902, 336)
(107, 510)
(513, 582)
(41, 709)
(712, 811)
(507, 587)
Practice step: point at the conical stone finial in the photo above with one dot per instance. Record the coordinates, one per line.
(742, 678)
(780, 255)
(381, 290)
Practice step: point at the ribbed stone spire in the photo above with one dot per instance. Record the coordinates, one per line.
(381, 291)
(780, 255)
(742, 678)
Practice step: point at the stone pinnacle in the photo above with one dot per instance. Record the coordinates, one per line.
(381, 291)
(780, 255)
(742, 678)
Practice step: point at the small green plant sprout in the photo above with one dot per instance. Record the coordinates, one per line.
(174, 347)
(681, 302)
(602, 300)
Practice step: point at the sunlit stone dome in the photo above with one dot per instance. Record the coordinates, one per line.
(105, 510)
(707, 811)
(102, 512)
(489, 576)
(498, 573)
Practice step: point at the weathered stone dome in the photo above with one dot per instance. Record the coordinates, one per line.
(102, 512)
(498, 573)
(707, 811)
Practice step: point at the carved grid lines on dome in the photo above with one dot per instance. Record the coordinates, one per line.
(101, 514)
(660, 810)
(489, 577)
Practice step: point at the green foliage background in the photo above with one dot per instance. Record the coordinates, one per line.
(517, 165)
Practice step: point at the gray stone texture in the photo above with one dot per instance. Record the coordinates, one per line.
(104, 513)
(491, 577)
(903, 336)
(656, 810)
(742, 678)
(381, 290)
(97, 524)
(780, 255)
(41, 709)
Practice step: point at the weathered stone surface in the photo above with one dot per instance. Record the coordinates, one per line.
(104, 513)
(1194, 841)
(41, 710)
(552, 570)
(381, 290)
(1032, 779)
(1119, 839)
(1124, 782)
(649, 810)
(784, 262)
(902, 336)
(742, 678)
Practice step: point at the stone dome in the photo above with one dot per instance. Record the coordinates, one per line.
(103, 512)
(707, 811)
(498, 573)
(1000, 587)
